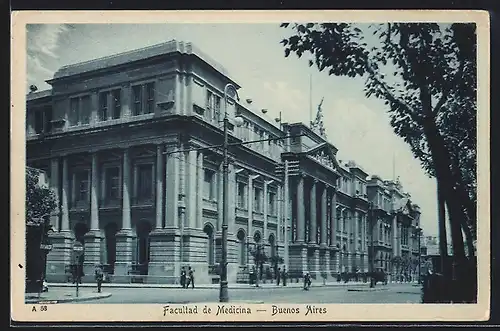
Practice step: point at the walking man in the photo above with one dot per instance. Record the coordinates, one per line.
(99, 276)
(278, 277)
(191, 277)
(284, 276)
(183, 277)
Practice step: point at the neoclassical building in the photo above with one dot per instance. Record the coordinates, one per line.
(131, 146)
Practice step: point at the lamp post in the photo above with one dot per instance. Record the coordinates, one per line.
(223, 294)
(372, 272)
(419, 230)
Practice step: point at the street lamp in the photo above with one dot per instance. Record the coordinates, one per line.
(372, 273)
(223, 295)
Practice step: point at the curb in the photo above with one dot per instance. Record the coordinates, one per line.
(64, 300)
(366, 289)
(270, 286)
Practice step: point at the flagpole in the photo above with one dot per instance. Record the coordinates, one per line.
(310, 98)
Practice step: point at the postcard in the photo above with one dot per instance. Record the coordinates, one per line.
(236, 166)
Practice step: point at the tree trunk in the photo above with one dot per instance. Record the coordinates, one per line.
(441, 160)
(443, 244)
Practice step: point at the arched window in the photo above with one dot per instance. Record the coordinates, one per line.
(242, 246)
(209, 230)
(257, 237)
(272, 243)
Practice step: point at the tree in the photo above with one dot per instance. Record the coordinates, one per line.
(40, 203)
(259, 258)
(426, 75)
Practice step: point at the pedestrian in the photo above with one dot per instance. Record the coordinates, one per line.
(285, 275)
(191, 276)
(278, 277)
(307, 281)
(99, 276)
(183, 277)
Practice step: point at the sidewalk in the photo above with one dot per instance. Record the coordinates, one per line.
(65, 295)
(213, 286)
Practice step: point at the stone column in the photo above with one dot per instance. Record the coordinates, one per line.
(159, 186)
(172, 175)
(191, 189)
(65, 196)
(300, 211)
(199, 196)
(325, 252)
(313, 218)
(170, 238)
(126, 223)
(124, 236)
(93, 237)
(94, 196)
(333, 220)
(60, 255)
(333, 231)
(250, 197)
(323, 234)
(54, 183)
(264, 227)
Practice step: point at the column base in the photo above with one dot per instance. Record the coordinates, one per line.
(324, 258)
(123, 255)
(164, 265)
(60, 256)
(92, 254)
(297, 256)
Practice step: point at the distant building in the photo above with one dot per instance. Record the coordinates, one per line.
(129, 143)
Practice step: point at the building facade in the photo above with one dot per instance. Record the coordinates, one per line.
(131, 144)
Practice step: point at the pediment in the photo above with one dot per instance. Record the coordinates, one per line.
(324, 155)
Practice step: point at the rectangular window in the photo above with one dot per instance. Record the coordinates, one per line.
(256, 204)
(208, 191)
(145, 181)
(137, 98)
(272, 199)
(82, 186)
(112, 183)
(338, 220)
(241, 195)
(117, 107)
(217, 108)
(38, 121)
(213, 105)
(85, 110)
(150, 98)
(103, 106)
(74, 105)
(47, 120)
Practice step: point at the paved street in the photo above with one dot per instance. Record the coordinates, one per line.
(394, 293)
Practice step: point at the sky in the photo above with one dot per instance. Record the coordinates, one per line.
(357, 126)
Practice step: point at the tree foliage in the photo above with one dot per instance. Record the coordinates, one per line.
(40, 201)
(425, 73)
